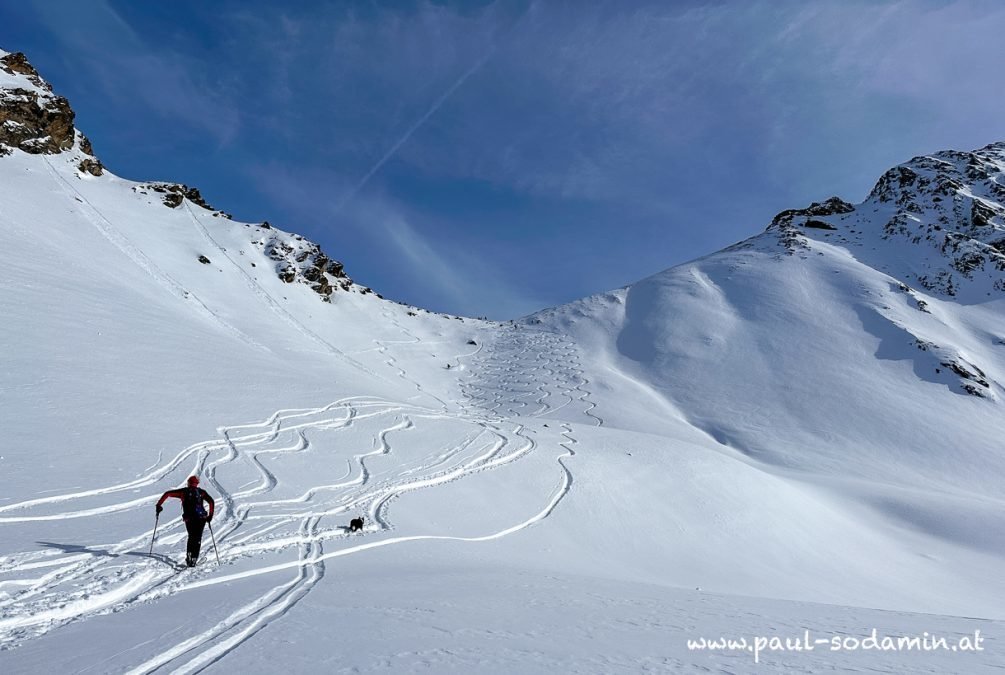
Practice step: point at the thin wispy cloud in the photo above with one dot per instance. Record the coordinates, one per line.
(461, 279)
(656, 111)
(126, 67)
(388, 245)
(437, 104)
(584, 145)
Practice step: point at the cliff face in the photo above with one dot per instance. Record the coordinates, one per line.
(34, 119)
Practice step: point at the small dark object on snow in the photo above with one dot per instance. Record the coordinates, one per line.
(356, 524)
(472, 342)
(204, 260)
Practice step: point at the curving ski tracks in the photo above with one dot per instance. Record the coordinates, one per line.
(521, 374)
(530, 373)
(115, 237)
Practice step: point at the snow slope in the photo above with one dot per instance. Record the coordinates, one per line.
(753, 444)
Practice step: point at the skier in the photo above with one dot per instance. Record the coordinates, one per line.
(193, 514)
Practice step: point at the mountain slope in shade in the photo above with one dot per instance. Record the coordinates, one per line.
(811, 416)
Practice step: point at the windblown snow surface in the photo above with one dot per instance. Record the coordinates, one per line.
(766, 443)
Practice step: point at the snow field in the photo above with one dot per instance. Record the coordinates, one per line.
(551, 501)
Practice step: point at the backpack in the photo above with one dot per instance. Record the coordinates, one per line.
(192, 503)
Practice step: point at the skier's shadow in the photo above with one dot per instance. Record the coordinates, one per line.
(77, 548)
(104, 553)
(167, 560)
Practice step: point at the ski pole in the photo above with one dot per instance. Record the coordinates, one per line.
(157, 519)
(215, 549)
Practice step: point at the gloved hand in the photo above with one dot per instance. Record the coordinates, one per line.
(209, 519)
(159, 509)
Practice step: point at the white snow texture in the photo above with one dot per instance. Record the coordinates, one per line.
(800, 433)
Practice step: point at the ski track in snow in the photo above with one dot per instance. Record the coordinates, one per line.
(121, 242)
(531, 373)
(392, 361)
(271, 302)
(525, 374)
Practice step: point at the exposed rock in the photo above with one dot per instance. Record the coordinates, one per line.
(18, 63)
(175, 193)
(305, 262)
(940, 282)
(32, 118)
(834, 205)
(975, 383)
(974, 391)
(33, 124)
(950, 203)
(85, 144)
(788, 223)
(91, 166)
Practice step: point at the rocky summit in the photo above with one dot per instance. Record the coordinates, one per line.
(936, 221)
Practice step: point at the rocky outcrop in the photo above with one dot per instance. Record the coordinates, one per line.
(32, 117)
(789, 224)
(950, 205)
(302, 261)
(18, 63)
(832, 206)
(91, 166)
(953, 202)
(173, 194)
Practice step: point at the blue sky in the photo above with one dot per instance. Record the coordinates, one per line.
(491, 159)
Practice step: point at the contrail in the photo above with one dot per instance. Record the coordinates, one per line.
(437, 104)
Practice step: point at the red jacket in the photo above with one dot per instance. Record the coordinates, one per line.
(191, 501)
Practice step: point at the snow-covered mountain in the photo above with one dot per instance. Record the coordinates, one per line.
(810, 416)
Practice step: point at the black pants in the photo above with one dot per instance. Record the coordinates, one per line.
(195, 526)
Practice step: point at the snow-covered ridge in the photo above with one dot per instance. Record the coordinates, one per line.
(936, 221)
(36, 121)
(785, 420)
